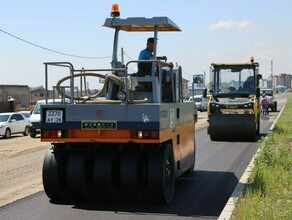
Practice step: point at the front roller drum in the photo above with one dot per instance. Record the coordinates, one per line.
(232, 127)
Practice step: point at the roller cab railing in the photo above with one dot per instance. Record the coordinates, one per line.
(118, 87)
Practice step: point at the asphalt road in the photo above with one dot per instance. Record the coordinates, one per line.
(201, 195)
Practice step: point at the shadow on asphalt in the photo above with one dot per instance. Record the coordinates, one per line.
(196, 195)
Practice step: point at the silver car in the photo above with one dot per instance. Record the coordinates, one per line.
(13, 123)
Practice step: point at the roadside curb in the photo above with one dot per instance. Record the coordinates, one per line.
(230, 205)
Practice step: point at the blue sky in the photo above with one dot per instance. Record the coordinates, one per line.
(212, 31)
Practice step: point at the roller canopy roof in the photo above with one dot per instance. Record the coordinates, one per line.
(141, 24)
(230, 65)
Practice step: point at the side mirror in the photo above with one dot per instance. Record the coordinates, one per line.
(198, 79)
(205, 93)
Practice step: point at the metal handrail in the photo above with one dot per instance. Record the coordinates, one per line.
(72, 71)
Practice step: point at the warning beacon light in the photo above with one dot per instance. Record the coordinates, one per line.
(251, 59)
(115, 11)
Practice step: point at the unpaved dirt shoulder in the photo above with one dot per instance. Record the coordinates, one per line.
(21, 161)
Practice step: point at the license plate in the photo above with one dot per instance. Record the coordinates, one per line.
(54, 116)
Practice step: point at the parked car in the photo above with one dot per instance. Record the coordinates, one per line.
(200, 101)
(25, 113)
(13, 123)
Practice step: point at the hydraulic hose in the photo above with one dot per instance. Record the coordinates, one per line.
(92, 98)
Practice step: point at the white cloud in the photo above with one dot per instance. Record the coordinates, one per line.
(224, 25)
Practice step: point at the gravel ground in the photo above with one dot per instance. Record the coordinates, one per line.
(21, 160)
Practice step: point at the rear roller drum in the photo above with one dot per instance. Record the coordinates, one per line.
(161, 174)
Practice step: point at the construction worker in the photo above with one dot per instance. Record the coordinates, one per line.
(265, 104)
(146, 54)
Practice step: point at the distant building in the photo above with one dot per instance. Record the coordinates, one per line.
(18, 93)
(266, 83)
(282, 79)
(39, 93)
(185, 87)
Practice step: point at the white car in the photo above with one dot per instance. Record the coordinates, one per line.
(200, 101)
(13, 123)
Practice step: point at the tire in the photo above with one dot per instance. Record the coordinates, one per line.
(7, 134)
(51, 177)
(32, 135)
(103, 176)
(275, 108)
(161, 174)
(76, 175)
(129, 176)
(25, 133)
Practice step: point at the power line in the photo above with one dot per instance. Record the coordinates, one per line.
(187, 73)
(127, 56)
(54, 51)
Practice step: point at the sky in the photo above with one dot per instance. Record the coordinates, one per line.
(33, 32)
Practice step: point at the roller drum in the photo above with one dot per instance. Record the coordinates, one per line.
(232, 127)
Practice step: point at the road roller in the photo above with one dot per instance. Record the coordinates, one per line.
(234, 107)
(131, 139)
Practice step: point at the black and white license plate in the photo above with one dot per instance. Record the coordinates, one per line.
(54, 116)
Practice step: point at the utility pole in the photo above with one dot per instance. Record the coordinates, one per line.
(122, 52)
(271, 67)
(272, 77)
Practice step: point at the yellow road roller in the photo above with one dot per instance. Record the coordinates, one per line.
(234, 107)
